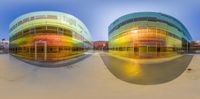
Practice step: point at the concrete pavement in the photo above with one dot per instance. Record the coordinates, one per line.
(88, 79)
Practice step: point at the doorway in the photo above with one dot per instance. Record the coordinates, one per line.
(41, 50)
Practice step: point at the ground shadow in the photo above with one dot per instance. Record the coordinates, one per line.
(55, 64)
(146, 74)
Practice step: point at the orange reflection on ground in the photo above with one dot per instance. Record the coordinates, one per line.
(146, 71)
(132, 70)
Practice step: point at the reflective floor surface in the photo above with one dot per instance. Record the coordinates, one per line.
(136, 72)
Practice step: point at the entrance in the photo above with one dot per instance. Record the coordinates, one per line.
(148, 51)
(143, 51)
(41, 50)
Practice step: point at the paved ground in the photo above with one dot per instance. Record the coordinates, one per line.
(88, 79)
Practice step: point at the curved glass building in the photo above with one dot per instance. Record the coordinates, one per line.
(147, 34)
(48, 36)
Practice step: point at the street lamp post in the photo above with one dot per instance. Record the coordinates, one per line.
(187, 47)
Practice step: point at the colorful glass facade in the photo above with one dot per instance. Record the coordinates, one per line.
(48, 36)
(147, 34)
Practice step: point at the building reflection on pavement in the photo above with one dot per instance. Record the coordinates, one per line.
(140, 72)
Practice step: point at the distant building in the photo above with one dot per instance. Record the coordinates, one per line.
(195, 45)
(100, 45)
(4, 46)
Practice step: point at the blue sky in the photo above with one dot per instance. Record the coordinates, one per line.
(97, 15)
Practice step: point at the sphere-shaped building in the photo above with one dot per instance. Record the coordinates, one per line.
(48, 36)
(147, 34)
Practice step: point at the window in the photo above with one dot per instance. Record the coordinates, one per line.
(60, 30)
(152, 49)
(32, 18)
(40, 29)
(19, 23)
(26, 31)
(51, 29)
(32, 30)
(67, 32)
(71, 21)
(51, 17)
(25, 20)
(52, 49)
(40, 49)
(40, 17)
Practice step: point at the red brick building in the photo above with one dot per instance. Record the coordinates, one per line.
(100, 45)
(195, 45)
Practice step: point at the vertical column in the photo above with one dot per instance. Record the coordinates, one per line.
(35, 50)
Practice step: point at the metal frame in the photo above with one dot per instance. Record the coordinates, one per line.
(45, 49)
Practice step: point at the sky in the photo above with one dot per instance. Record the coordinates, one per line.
(97, 15)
